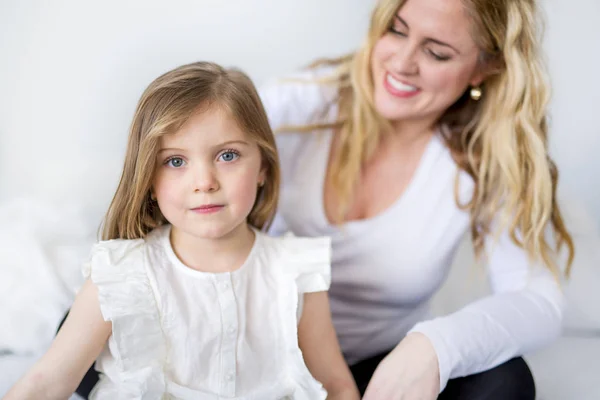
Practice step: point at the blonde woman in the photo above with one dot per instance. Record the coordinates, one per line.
(186, 298)
(434, 128)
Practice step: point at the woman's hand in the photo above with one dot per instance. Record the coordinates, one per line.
(409, 372)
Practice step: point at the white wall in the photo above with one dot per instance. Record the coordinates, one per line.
(573, 48)
(71, 73)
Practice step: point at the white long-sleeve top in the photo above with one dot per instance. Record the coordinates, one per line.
(385, 269)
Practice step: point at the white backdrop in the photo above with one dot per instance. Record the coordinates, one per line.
(71, 72)
(573, 48)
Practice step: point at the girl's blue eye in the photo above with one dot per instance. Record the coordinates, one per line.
(175, 162)
(229, 156)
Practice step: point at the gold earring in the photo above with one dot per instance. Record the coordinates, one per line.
(476, 93)
(261, 184)
(152, 197)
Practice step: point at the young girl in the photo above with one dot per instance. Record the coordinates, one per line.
(186, 298)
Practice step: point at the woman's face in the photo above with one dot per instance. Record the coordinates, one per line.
(425, 61)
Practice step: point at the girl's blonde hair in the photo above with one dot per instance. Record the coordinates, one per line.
(500, 141)
(164, 107)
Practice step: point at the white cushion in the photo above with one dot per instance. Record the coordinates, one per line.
(42, 248)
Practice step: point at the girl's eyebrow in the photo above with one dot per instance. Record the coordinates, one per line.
(228, 142)
(169, 149)
(242, 142)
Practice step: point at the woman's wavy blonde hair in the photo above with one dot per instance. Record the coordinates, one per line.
(500, 141)
(164, 107)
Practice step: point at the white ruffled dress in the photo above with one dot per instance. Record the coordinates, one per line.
(178, 333)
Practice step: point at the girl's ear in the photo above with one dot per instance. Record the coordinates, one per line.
(262, 177)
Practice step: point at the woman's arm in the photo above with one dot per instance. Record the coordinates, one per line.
(524, 313)
(76, 346)
(321, 350)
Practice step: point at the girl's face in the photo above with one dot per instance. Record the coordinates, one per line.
(425, 61)
(207, 176)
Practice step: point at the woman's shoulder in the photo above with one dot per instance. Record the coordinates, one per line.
(307, 79)
(446, 167)
(299, 99)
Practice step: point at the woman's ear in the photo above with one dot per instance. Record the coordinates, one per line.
(485, 69)
(478, 76)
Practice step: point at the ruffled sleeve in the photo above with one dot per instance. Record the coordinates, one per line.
(118, 269)
(309, 262)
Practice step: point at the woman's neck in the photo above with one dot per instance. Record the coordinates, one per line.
(224, 254)
(408, 133)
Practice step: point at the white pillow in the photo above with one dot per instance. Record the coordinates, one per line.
(42, 247)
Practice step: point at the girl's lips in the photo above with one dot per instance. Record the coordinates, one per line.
(207, 209)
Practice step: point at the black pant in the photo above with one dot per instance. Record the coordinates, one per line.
(509, 381)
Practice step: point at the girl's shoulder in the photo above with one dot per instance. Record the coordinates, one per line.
(306, 259)
(118, 268)
(115, 252)
(117, 260)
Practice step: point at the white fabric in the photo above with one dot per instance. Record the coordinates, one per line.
(189, 334)
(42, 247)
(385, 269)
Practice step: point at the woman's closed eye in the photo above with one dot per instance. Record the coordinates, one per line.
(437, 56)
(397, 31)
(434, 54)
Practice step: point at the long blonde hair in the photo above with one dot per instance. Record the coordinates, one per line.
(164, 107)
(500, 141)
